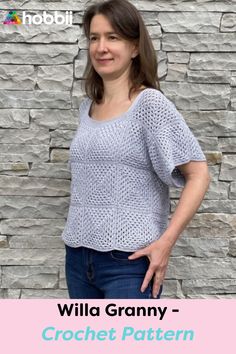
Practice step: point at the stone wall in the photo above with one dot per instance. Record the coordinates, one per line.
(40, 75)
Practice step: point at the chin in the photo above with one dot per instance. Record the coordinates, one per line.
(105, 72)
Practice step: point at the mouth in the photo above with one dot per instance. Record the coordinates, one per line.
(104, 60)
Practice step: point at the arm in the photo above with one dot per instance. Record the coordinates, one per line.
(197, 182)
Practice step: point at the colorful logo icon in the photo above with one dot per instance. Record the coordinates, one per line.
(12, 19)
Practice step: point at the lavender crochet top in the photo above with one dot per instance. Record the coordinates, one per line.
(121, 171)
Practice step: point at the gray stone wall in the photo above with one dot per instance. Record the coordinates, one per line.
(40, 75)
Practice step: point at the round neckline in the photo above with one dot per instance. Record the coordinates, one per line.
(116, 118)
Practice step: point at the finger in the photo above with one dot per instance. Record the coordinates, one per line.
(137, 254)
(158, 279)
(147, 279)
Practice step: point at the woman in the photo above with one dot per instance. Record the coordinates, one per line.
(131, 146)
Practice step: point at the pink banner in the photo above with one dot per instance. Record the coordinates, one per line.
(119, 326)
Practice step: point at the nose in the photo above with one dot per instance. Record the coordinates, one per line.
(102, 45)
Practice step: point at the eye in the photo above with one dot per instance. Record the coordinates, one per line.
(113, 37)
(92, 39)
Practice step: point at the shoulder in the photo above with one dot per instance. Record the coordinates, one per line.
(155, 98)
(158, 111)
(84, 102)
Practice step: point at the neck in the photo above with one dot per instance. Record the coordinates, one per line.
(116, 90)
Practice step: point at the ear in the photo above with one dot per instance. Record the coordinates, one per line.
(135, 52)
(134, 55)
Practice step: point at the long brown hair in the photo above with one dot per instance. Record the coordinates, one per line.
(128, 23)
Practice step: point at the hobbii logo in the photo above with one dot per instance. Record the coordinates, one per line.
(46, 18)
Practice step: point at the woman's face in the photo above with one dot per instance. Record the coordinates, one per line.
(110, 54)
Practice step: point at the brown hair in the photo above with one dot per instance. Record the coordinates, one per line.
(128, 23)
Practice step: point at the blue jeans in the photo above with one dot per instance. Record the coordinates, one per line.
(92, 274)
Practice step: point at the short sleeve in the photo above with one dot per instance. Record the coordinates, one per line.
(81, 109)
(170, 141)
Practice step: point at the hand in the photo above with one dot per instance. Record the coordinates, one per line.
(158, 254)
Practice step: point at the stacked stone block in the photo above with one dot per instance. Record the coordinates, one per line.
(41, 69)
